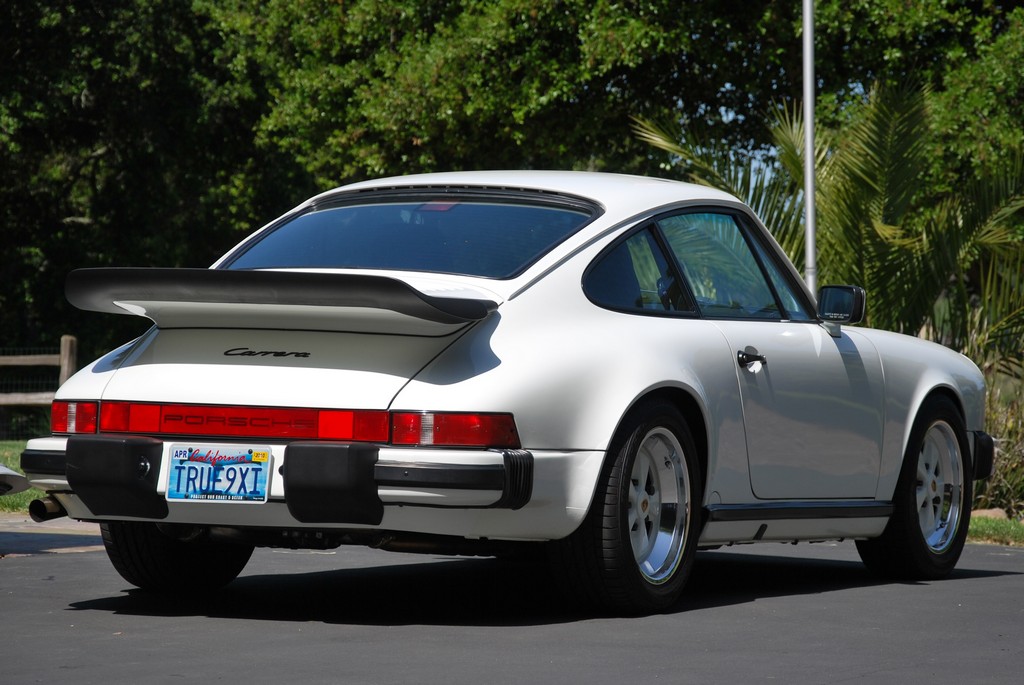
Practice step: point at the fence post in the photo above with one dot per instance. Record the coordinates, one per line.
(68, 357)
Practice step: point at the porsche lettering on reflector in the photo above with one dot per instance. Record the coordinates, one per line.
(218, 473)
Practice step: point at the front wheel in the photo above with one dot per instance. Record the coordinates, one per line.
(151, 560)
(932, 502)
(634, 551)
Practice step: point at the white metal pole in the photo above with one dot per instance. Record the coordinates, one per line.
(810, 225)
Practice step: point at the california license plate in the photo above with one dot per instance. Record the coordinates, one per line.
(218, 473)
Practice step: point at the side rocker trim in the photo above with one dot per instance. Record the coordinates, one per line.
(789, 510)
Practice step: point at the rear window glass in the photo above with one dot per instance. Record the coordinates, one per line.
(489, 238)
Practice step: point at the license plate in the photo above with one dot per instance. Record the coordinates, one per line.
(218, 473)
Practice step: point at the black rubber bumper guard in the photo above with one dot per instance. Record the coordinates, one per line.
(324, 482)
(337, 482)
(984, 455)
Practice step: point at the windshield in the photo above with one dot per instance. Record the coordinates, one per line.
(492, 238)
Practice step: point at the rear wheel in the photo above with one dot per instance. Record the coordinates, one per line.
(154, 561)
(635, 549)
(928, 528)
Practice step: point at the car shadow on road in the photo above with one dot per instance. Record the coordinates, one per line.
(736, 577)
(442, 592)
(483, 592)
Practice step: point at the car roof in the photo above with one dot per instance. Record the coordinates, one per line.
(615, 192)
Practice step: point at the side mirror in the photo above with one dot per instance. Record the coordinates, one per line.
(839, 304)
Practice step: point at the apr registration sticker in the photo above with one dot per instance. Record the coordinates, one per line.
(218, 473)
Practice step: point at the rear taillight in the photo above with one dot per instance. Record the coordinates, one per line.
(249, 422)
(73, 417)
(454, 430)
(357, 425)
(365, 426)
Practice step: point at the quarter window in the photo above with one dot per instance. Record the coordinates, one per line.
(635, 275)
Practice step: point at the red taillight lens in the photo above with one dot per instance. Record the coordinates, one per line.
(126, 417)
(368, 426)
(184, 419)
(73, 417)
(357, 425)
(249, 422)
(454, 430)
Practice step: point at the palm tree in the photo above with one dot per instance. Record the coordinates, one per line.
(944, 264)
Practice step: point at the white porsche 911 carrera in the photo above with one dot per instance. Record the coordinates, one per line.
(619, 370)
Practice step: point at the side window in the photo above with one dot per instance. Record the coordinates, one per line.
(791, 299)
(718, 264)
(636, 274)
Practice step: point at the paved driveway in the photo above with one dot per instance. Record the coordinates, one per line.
(769, 613)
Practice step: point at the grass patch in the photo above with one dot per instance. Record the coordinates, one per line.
(10, 456)
(996, 531)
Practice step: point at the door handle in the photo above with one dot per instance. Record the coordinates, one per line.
(745, 359)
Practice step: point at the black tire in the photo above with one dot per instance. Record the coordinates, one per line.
(649, 489)
(926, 533)
(153, 561)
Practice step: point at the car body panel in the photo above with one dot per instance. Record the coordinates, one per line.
(913, 370)
(275, 367)
(813, 413)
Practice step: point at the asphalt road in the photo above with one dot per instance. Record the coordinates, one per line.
(769, 613)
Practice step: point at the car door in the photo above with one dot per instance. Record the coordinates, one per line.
(812, 403)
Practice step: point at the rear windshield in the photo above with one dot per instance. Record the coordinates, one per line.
(476, 237)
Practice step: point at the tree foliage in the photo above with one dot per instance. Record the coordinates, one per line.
(158, 132)
(118, 146)
(367, 88)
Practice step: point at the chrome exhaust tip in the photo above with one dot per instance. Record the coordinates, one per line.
(46, 509)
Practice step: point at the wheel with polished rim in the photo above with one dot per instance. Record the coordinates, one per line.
(634, 551)
(658, 505)
(932, 501)
(939, 487)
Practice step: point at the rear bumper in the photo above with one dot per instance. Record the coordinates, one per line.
(319, 482)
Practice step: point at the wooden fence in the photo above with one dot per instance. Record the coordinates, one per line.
(66, 359)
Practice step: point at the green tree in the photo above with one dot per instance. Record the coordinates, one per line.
(157, 132)
(124, 140)
(367, 88)
(980, 105)
(968, 54)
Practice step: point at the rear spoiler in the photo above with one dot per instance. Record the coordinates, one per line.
(233, 299)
